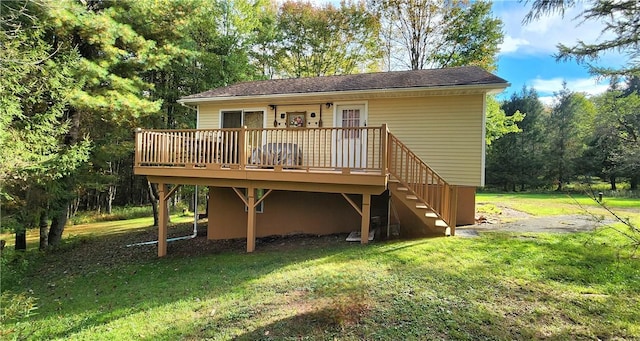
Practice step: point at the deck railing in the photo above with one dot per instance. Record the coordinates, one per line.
(342, 149)
(346, 150)
(422, 181)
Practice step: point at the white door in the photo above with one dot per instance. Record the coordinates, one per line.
(351, 143)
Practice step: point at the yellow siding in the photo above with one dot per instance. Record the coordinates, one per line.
(209, 118)
(444, 131)
(209, 114)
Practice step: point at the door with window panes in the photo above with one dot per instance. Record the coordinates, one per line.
(350, 149)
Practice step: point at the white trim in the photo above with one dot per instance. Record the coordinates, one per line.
(487, 89)
(484, 139)
(360, 158)
(198, 116)
(335, 111)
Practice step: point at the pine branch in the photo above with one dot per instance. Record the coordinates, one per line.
(634, 232)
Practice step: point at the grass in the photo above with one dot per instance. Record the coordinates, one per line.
(498, 287)
(558, 204)
(96, 229)
(117, 213)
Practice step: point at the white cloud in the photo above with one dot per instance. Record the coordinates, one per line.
(547, 87)
(544, 34)
(511, 44)
(548, 101)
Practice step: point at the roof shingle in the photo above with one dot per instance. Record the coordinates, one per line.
(432, 78)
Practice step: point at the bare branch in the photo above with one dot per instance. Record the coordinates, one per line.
(633, 233)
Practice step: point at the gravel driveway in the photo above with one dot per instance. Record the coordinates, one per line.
(516, 221)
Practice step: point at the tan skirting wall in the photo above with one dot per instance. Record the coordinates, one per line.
(284, 213)
(466, 205)
(288, 212)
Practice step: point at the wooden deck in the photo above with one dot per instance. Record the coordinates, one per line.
(335, 160)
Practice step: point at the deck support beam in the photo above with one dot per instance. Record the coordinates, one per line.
(366, 217)
(454, 210)
(353, 204)
(163, 214)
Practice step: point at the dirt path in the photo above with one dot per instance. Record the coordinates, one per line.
(511, 220)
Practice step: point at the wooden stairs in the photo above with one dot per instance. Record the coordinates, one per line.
(423, 221)
(426, 203)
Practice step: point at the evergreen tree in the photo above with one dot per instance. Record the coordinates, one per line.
(112, 98)
(37, 75)
(568, 125)
(614, 144)
(515, 161)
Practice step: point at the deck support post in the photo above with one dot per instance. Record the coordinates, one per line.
(162, 219)
(366, 217)
(454, 210)
(384, 148)
(251, 219)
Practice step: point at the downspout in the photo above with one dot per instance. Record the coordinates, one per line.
(195, 226)
(188, 106)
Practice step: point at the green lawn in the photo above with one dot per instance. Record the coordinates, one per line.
(497, 286)
(559, 204)
(97, 229)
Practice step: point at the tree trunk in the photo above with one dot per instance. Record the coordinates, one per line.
(612, 181)
(153, 197)
(21, 239)
(559, 189)
(44, 224)
(111, 195)
(634, 183)
(59, 219)
(57, 226)
(206, 212)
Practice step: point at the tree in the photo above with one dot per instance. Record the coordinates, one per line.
(111, 98)
(499, 123)
(569, 122)
(515, 161)
(320, 41)
(36, 80)
(621, 19)
(435, 34)
(613, 148)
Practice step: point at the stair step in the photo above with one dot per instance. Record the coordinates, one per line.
(412, 197)
(441, 223)
(393, 181)
(422, 206)
(431, 215)
(402, 189)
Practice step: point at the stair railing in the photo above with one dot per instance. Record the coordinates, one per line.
(422, 181)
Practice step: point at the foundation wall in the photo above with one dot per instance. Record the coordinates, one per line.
(284, 213)
(466, 214)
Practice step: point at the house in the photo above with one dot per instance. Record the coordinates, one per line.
(323, 155)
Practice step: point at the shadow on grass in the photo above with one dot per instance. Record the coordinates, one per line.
(494, 287)
(94, 281)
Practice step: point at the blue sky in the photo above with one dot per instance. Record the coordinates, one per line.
(526, 54)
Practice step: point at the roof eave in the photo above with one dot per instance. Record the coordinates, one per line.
(493, 88)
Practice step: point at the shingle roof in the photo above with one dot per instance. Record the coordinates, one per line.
(433, 78)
